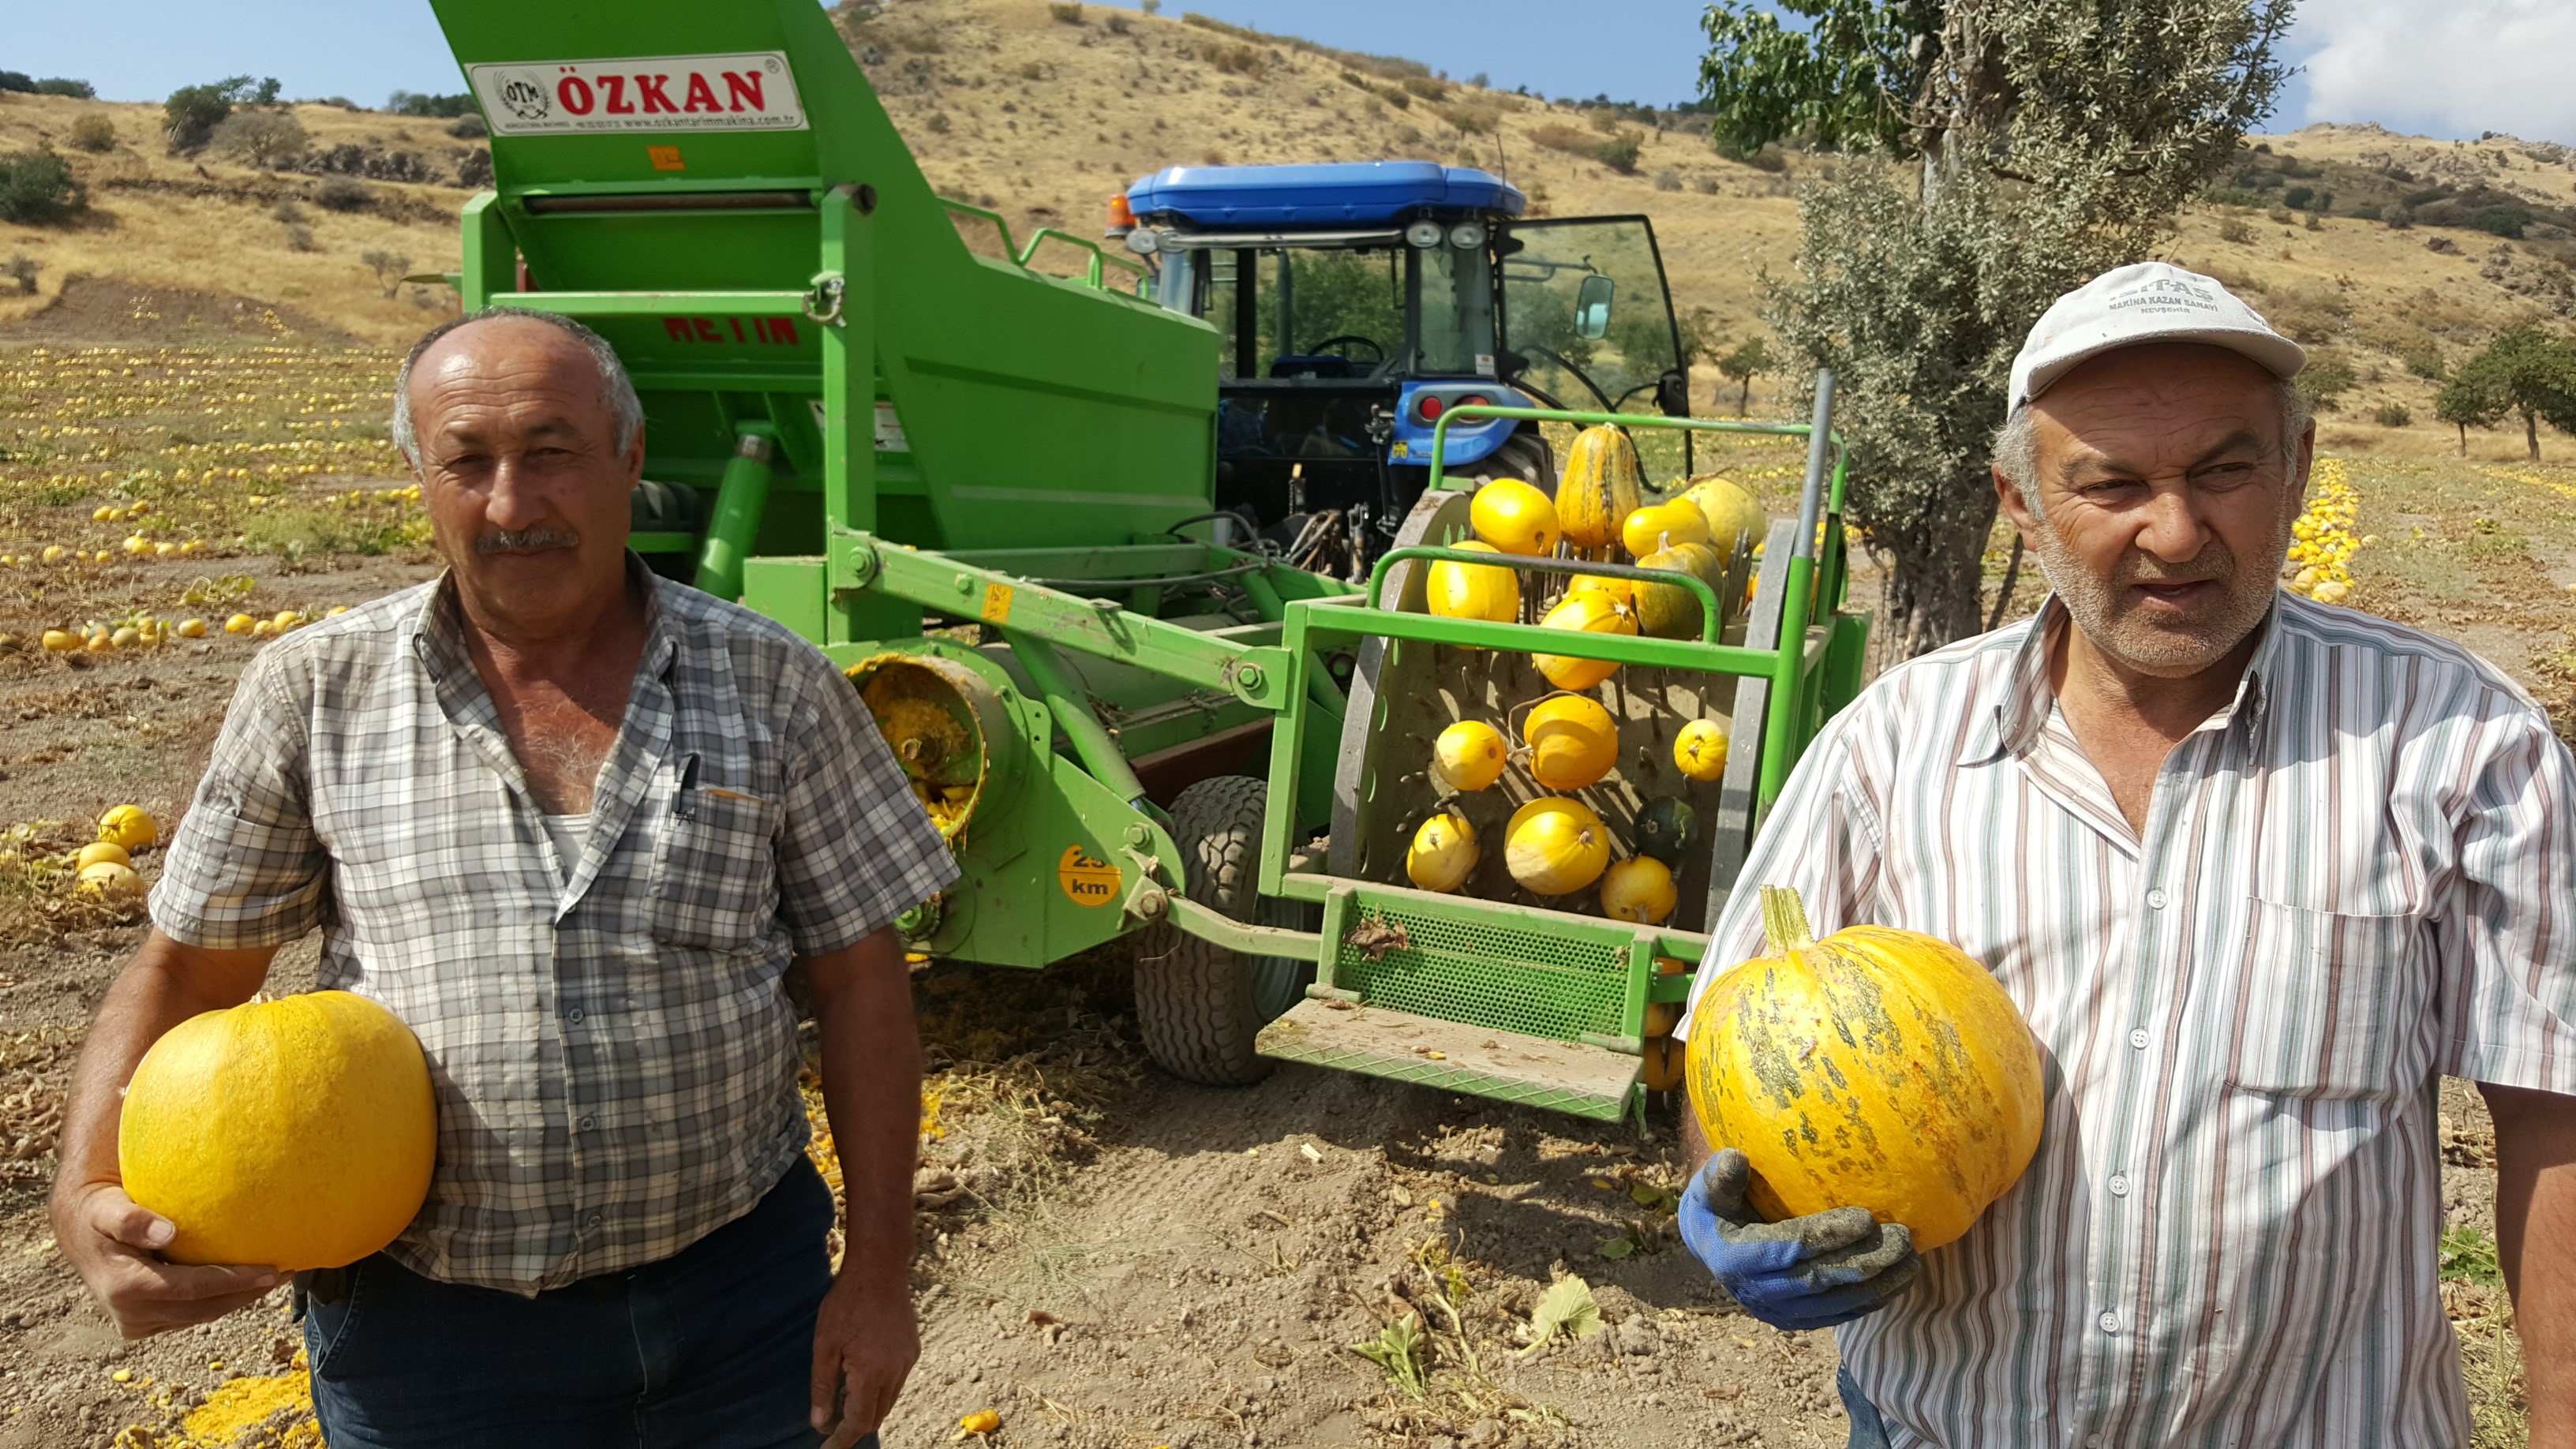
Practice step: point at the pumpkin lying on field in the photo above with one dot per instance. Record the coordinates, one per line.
(1876, 1067)
(296, 1133)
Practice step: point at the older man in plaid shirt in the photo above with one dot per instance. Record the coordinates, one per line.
(573, 825)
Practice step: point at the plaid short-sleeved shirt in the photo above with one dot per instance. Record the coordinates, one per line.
(613, 1051)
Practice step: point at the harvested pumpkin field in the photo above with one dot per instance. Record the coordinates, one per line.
(1107, 1257)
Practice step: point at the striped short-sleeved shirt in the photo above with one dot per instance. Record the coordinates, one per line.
(2355, 878)
(610, 1043)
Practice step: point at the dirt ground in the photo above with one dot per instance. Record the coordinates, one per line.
(1108, 1257)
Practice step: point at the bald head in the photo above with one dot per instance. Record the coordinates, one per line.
(614, 390)
(524, 433)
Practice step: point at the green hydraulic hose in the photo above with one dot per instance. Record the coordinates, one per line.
(1065, 700)
(740, 500)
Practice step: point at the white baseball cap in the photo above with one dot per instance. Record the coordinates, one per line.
(2144, 302)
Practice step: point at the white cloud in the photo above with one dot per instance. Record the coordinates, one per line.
(2449, 67)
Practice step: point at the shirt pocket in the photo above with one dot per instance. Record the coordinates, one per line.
(715, 870)
(2332, 1005)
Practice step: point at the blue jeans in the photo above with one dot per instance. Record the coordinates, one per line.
(711, 1348)
(1867, 1430)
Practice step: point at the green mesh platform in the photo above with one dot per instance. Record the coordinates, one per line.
(1555, 984)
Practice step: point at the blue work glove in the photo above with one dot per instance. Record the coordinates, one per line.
(1811, 1272)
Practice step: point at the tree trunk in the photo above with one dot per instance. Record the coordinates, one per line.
(1744, 399)
(2531, 433)
(1935, 586)
(2464, 440)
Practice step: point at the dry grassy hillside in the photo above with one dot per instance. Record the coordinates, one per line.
(1043, 110)
(208, 225)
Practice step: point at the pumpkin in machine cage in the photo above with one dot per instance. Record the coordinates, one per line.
(1876, 1067)
(1473, 591)
(1658, 526)
(1514, 517)
(1599, 489)
(1584, 611)
(1469, 755)
(1572, 741)
(1732, 514)
(1443, 854)
(1554, 846)
(1673, 611)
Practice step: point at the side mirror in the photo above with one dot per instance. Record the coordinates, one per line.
(1672, 394)
(1592, 307)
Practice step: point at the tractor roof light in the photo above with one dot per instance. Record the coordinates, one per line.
(1122, 217)
(1422, 235)
(1467, 236)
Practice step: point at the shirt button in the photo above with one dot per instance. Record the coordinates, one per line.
(2119, 1181)
(2138, 1038)
(573, 1016)
(585, 1126)
(2156, 898)
(594, 1222)
(2110, 1321)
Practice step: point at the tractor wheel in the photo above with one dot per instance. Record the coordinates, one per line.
(1199, 1004)
(1525, 456)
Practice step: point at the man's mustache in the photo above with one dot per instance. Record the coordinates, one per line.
(501, 540)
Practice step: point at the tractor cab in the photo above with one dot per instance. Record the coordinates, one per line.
(1355, 303)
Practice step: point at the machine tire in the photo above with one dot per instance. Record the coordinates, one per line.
(1524, 455)
(1198, 1004)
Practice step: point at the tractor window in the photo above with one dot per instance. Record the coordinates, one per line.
(1220, 307)
(1616, 367)
(1314, 307)
(1457, 312)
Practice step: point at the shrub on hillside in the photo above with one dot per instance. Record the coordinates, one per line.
(412, 103)
(2393, 415)
(37, 188)
(266, 139)
(2234, 229)
(469, 128)
(341, 193)
(2326, 378)
(1668, 180)
(20, 81)
(192, 113)
(1067, 11)
(23, 268)
(2504, 221)
(94, 132)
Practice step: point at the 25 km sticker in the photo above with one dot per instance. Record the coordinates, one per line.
(1087, 879)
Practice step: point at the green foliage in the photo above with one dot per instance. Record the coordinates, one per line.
(2054, 142)
(260, 138)
(1398, 1350)
(2469, 1256)
(2393, 415)
(1747, 362)
(25, 84)
(192, 113)
(37, 188)
(2526, 372)
(2326, 378)
(2504, 221)
(413, 103)
(94, 132)
(1565, 1310)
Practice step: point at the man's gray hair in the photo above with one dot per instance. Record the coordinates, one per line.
(616, 389)
(2016, 445)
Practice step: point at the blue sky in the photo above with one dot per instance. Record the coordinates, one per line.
(2451, 69)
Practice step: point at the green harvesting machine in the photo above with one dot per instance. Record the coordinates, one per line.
(985, 492)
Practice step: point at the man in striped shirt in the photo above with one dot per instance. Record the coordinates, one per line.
(2258, 872)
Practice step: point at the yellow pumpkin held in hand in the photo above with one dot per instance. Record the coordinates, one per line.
(1876, 1067)
(296, 1133)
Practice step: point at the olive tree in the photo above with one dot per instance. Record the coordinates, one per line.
(2525, 372)
(1999, 153)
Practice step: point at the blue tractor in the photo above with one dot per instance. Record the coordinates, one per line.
(1359, 301)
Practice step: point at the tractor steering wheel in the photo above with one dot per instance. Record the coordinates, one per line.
(1371, 343)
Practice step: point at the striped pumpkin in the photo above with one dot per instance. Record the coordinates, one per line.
(1877, 1067)
(1599, 488)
